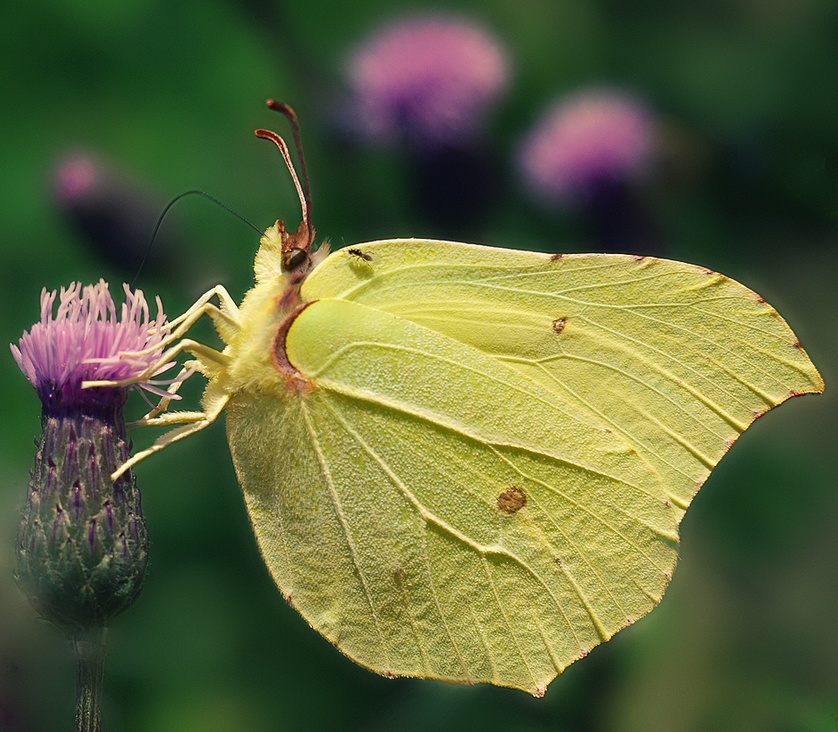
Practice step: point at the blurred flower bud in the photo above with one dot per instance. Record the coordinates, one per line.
(112, 213)
(430, 79)
(589, 138)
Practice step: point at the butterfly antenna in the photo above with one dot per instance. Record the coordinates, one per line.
(291, 116)
(166, 210)
(304, 190)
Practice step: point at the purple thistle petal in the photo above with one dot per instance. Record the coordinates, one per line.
(86, 339)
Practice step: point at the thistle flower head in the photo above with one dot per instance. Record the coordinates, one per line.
(88, 339)
(430, 78)
(82, 541)
(593, 137)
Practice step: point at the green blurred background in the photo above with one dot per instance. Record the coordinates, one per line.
(168, 93)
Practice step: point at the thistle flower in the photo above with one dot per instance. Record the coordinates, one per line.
(428, 78)
(593, 138)
(82, 541)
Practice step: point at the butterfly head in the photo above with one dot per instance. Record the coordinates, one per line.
(285, 254)
(286, 251)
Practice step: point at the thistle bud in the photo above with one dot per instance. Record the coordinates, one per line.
(82, 542)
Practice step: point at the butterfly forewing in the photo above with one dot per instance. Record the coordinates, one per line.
(675, 358)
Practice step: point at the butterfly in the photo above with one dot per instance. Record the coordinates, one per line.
(470, 463)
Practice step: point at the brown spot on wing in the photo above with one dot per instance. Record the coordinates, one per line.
(512, 500)
(559, 324)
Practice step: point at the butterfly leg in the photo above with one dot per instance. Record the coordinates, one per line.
(226, 301)
(209, 361)
(163, 404)
(191, 422)
(214, 401)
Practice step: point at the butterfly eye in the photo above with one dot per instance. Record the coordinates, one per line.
(294, 259)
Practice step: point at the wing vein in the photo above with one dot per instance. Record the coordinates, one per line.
(431, 518)
(422, 513)
(324, 467)
(509, 627)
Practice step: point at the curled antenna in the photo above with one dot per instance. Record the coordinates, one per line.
(286, 156)
(304, 190)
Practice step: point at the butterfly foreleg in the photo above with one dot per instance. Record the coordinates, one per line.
(224, 318)
(171, 393)
(209, 361)
(228, 309)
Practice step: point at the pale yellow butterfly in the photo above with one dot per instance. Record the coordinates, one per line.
(470, 463)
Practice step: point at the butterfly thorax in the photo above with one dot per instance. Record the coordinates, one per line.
(258, 361)
(264, 309)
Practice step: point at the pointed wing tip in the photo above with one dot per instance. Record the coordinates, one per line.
(816, 383)
(816, 387)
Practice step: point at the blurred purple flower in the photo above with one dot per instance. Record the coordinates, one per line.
(113, 213)
(429, 78)
(87, 339)
(74, 178)
(593, 138)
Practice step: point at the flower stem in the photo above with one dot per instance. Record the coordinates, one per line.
(90, 653)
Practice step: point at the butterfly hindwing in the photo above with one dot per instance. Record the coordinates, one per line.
(434, 512)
